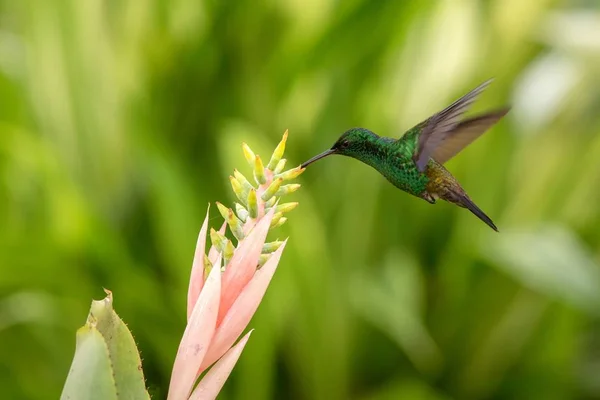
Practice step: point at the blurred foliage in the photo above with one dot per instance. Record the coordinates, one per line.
(121, 120)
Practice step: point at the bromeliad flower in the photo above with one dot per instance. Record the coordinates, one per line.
(227, 285)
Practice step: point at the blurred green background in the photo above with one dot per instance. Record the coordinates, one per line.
(121, 120)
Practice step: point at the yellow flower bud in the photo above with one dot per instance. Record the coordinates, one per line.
(278, 153)
(259, 171)
(248, 154)
(280, 166)
(252, 203)
(286, 207)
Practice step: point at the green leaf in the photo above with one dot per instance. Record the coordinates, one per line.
(390, 300)
(406, 389)
(552, 261)
(107, 364)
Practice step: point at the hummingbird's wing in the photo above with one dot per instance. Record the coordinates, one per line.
(464, 134)
(438, 127)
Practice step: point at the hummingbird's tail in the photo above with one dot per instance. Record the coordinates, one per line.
(461, 199)
(443, 185)
(468, 203)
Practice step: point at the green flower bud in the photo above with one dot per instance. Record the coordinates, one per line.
(287, 189)
(272, 189)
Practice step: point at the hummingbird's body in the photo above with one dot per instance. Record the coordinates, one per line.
(414, 163)
(392, 158)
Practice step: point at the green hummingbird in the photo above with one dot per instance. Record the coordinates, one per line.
(414, 163)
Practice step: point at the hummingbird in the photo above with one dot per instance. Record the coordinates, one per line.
(415, 162)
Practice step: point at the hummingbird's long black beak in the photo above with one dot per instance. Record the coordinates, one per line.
(318, 157)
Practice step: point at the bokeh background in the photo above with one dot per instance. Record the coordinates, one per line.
(121, 120)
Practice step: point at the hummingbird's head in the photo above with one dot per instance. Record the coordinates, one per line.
(351, 143)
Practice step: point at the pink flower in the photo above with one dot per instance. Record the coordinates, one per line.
(220, 305)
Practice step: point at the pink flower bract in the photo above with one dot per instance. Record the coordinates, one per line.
(219, 309)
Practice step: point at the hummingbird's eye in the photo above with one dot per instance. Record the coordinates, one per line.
(345, 144)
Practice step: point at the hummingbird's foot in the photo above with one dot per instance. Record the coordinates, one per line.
(427, 197)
